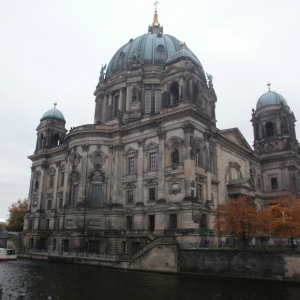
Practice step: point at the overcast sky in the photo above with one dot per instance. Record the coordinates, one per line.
(52, 50)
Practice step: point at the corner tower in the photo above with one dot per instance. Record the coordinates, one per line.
(275, 141)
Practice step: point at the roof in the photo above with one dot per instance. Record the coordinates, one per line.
(53, 113)
(151, 49)
(270, 98)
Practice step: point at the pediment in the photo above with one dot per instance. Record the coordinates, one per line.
(236, 136)
(151, 145)
(242, 182)
(172, 207)
(131, 150)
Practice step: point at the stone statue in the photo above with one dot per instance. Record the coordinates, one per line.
(120, 117)
(135, 57)
(103, 68)
(210, 79)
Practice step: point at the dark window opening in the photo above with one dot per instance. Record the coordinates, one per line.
(203, 221)
(129, 223)
(65, 245)
(269, 129)
(98, 159)
(116, 106)
(151, 194)
(175, 156)
(54, 244)
(36, 185)
(135, 247)
(56, 140)
(62, 178)
(198, 157)
(58, 223)
(151, 222)
(274, 185)
(76, 161)
(130, 196)
(158, 100)
(30, 224)
(173, 220)
(93, 247)
(174, 90)
(60, 203)
(47, 224)
(195, 93)
(51, 181)
(153, 161)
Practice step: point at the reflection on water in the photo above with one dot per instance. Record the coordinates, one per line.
(65, 281)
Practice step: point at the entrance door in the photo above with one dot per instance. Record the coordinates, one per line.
(152, 223)
(65, 245)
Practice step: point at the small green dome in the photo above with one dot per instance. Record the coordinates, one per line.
(53, 113)
(270, 98)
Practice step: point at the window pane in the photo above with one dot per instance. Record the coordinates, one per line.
(274, 185)
(116, 106)
(158, 102)
(148, 101)
(198, 157)
(131, 165)
(153, 161)
(75, 194)
(173, 220)
(203, 222)
(129, 222)
(96, 197)
(130, 196)
(199, 191)
(98, 160)
(152, 194)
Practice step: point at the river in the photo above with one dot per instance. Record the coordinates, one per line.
(40, 279)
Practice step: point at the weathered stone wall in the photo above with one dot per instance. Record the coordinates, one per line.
(248, 264)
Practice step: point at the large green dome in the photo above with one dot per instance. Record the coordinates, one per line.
(153, 49)
(53, 113)
(270, 98)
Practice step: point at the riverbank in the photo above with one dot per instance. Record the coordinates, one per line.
(249, 264)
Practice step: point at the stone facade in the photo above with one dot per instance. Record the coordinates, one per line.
(153, 163)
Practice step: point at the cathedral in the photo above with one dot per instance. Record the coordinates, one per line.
(153, 163)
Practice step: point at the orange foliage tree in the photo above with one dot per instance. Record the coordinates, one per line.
(16, 215)
(284, 214)
(240, 217)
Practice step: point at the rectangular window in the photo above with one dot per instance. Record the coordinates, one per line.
(54, 244)
(62, 178)
(135, 247)
(158, 100)
(198, 157)
(130, 196)
(131, 161)
(152, 161)
(96, 198)
(49, 204)
(258, 183)
(152, 194)
(75, 194)
(129, 222)
(203, 221)
(30, 224)
(274, 185)
(199, 191)
(173, 220)
(47, 223)
(60, 203)
(58, 223)
(192, 193)
(147, 101)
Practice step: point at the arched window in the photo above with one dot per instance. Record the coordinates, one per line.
(55, 140)
(175, 155)
(269, 129)
(195, 93)
(76, 161)
(174, 90)
(98, 160)
(43, 144)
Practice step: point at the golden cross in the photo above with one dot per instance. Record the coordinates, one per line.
(155, 3)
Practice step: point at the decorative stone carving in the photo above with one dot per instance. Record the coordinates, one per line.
(141, 143)
(85, 147)
(45, 166)
(161, 134)
(200, 178)
(188, 128)
(74, 177)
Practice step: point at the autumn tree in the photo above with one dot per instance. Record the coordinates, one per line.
(16, 215)
(285, 217)
(240, 217)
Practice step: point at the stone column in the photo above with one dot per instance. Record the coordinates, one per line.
(67, 171)
(120, 108)
(54, 198)
(140, 171)
(31, 187)
(188, 163)
(161, 195)
(128, 97)
(37, 142)
(110, 181)
(42, 185)
(84, 163)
